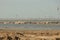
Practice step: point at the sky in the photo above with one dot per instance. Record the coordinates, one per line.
(29, 8)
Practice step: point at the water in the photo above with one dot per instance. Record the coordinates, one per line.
(30, 26)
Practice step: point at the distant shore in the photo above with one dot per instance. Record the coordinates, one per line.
(29, 21)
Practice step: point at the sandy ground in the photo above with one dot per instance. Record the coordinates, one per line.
(29, 34)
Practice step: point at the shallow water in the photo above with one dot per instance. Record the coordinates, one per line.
(30, 26)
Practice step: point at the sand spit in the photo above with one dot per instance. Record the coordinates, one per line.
(29, 34)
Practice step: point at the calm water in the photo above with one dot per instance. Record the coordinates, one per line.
(30, 26)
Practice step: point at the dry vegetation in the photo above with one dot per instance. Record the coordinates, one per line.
(29, 34)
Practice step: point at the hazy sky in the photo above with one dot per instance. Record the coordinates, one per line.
(29, 8)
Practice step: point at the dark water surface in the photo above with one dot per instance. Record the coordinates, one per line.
(30, 26)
